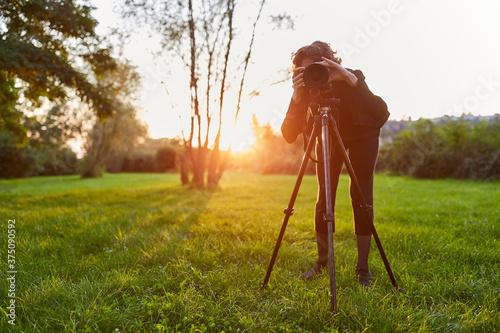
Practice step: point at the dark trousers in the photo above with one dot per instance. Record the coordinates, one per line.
(362, 150)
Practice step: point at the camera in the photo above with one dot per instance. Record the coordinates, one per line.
(316, 79)
(316, 75)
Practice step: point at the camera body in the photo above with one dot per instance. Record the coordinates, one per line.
(316, 78)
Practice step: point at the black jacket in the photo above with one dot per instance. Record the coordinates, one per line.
(359, 108)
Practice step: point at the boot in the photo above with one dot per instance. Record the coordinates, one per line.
(322, 242)
(364, 277)
(363, 274)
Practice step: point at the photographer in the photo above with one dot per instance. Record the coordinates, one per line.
(360, 117)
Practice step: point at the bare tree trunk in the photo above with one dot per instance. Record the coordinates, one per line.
(199, 33)
(198, 162)
(94, 162)
(217, 166)
(214, 167)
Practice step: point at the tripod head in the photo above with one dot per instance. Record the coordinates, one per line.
(321, 105)
(324, 106)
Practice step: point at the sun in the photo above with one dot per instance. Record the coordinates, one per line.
(239, 138)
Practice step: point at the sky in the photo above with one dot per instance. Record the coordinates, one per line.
(424, 58)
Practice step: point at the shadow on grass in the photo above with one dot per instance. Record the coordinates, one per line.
(80, 248)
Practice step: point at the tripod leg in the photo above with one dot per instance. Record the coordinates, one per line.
(289, 209)
(331, 263)
(329, 217)
(364, 205)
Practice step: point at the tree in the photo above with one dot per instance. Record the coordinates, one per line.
(118, 134)
(201, 35)
(46, 151)
(47, 49)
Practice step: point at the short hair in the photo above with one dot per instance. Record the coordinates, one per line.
(315, 51)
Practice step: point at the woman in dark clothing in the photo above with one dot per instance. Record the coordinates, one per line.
(361, 115)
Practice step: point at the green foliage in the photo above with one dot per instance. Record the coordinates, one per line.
(9, 116)
(11, 160)
(140, 163)
(450, 148)
(50, 47)
(55, 127)
(44, 151)
(152, 155)
(165, 159)
(31, 160)
(140, 253)
(49, 161)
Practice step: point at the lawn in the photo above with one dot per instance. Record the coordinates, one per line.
(141, 253)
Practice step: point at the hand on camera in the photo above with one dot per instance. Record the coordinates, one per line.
(298, 83)
(339, 73)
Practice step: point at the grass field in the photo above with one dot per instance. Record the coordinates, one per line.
(141, 253)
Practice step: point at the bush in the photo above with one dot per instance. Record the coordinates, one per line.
(11, 161)
(165, 159)
(457, 148)
(34, 160)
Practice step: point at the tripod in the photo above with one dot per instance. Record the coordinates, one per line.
(324, 120)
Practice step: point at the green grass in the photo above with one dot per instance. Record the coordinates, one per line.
(141, 253)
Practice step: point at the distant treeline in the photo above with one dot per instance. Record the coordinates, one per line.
(465, 147)
(49, 159)
(448, 147)
(153, 155)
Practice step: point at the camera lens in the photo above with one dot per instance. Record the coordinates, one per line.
(316, 75)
